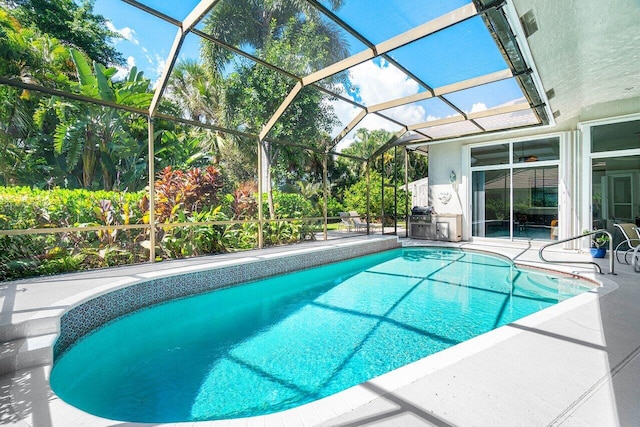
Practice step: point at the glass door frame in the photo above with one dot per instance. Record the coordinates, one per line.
(588, 156)
(468, 170)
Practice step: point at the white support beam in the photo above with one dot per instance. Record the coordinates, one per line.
(162, 82)
(197, 13)
(440, 23)
(443, 90)
(339, 66)
(435, 25)
(400, 101)
(476, 81)
(432, 123)
(471, 116)
(499, 110)
(357, 119)
(287, 101)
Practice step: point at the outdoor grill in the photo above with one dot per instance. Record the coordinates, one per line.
(420, 214)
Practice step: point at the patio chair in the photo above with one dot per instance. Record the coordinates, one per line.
(630, 239)
(345, 221)
(359, 223)
(554, 229)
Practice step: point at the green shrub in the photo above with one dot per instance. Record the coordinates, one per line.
(195, 240)
(185, 197)
(355, 198)
(334, 207)
(23, 207)
(291, 205)
(41, 254)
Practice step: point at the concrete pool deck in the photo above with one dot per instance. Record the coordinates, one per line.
(575, 363)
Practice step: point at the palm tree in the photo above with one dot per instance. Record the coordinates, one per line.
(199, 95)
(196, 91)
(254, 23)
(291, 35)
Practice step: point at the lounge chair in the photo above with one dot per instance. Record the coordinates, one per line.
(630, 239)
(359, 223)
(345, 221)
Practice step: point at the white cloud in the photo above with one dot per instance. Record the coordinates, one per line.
(157, 64)
(123, 71)
(160, 64)
(478, 106)
(374, 84)
(380, 83)
(126, 33)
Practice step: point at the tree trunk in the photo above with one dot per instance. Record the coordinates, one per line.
(89, 159)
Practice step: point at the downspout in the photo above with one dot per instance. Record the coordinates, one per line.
(406, 192)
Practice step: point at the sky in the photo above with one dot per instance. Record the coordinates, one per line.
(461, 52)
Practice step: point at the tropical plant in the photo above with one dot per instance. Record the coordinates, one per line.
(74, 23)
(185, 192)
(292, 205)
(22, 207)
(292, 36)
(29, 57)
(599, 240)
(197, 91)
(244, 204)
(96, 138)
(198, 239)
(390, 163)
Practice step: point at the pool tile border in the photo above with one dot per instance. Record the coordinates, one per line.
(92, 313)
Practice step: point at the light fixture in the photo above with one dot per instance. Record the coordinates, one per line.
(529, 23)
(452, 177)
(551, 93)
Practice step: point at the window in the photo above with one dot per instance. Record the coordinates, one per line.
(615, 173)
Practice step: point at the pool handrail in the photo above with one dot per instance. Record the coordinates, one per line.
(580, 236)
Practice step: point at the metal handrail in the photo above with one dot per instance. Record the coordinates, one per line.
(591, 233)
(635, 260)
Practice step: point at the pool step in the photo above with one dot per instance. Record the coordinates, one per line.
(27, 344)
(549, 287)
(29, 328)
(24, 353)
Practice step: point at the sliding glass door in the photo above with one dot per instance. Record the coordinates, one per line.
(515, 190)
(491, 203)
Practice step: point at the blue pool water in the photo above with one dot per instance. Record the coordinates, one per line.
(279, 343)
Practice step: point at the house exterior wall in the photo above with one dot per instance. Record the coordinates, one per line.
(448, 196)
(574, 184)
(419, 192)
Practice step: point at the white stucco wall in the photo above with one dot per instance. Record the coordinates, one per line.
(447, 197)
(419, 192)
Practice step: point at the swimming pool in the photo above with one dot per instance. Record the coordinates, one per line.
(281, 342)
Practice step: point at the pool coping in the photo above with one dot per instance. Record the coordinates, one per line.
(325, 409)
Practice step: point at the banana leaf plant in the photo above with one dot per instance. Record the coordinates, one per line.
(95, 142)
